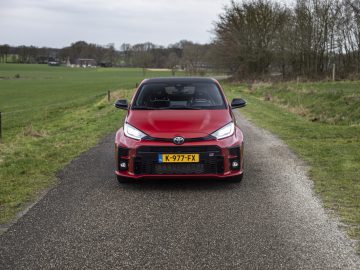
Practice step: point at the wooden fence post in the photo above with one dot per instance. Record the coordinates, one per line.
(108, 95)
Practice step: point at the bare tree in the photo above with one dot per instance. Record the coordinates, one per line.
(172, 62)
(193, 58)
(258, 36)
(4, 51)
(246, 35)
(142, 56)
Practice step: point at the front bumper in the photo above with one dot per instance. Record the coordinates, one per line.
(139, 159)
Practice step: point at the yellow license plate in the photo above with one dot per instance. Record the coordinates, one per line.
(179, 158)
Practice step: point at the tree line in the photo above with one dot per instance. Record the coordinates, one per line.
(252, 39)
(182, 55)
(27, 54)
(260, 37)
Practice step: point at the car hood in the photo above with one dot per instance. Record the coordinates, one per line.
(172, 123)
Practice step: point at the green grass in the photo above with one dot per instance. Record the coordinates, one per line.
(333, 103)
(52, 114)
(40, 87)
(330, 144)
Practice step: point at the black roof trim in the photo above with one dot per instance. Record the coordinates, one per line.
(179, 79)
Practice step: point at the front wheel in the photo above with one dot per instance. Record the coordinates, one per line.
(236, 179)
(122, 179)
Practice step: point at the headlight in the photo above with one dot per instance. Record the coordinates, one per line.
(132, 132)
(225, 131)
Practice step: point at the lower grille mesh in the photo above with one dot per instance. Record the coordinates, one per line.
(179, 168)
(211, 161)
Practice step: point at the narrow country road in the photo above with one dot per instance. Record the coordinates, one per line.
(271, 220)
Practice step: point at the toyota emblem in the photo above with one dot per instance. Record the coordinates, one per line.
(178, 140)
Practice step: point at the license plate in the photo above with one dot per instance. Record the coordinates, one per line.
(179, 158)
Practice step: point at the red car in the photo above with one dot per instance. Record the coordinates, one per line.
(179, 127)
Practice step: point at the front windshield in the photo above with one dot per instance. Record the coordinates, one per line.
(179, 96)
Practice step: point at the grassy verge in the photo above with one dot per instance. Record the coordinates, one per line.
(320, 122)
(50, 116)
(29, 161)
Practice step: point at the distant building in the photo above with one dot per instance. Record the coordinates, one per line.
(85, 62)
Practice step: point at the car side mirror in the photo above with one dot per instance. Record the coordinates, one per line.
(238, 103)
(122, 104)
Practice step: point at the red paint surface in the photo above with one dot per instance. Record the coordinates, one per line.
(185, 123)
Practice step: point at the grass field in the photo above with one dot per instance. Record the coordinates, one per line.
(51, 115)
(41, 85)
(321, 123)
(34, 88)
(330, 103)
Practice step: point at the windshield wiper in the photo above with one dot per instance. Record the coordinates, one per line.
(184, 108)
(165, 108)
(150, 108)
(143, 108)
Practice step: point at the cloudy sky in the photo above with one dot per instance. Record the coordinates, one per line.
(58, 23)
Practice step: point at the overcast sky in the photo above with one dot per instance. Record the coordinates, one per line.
(58, 23)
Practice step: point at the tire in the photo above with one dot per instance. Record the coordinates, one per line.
(122, 180)
(236, 179)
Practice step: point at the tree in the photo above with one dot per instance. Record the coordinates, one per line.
(110, 55)
(125, 50)
(142, 55)
(173, 62)
(254, 37)
(194, 57)
(4, 51)
(246, 34)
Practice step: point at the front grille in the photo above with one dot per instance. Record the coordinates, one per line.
(199, 139)
(180, 168)
(179, 149)
(211, 160)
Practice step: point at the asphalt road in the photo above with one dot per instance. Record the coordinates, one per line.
(271, 220)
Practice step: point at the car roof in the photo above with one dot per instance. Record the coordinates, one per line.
(179, 80)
